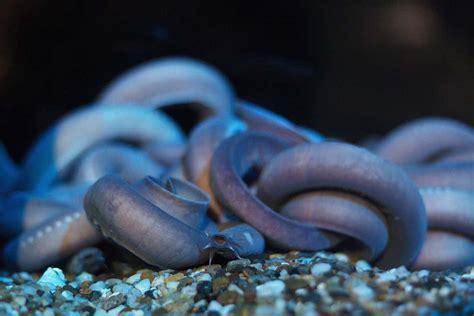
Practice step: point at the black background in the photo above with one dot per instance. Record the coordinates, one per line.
(348, 69)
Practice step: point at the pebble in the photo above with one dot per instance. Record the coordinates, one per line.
(320, 268)
(363, 292)
(235, 288)
(270, 289)
(237, 265)
(295, 282)
(362, 266)
(113, 300)
(134, 278)
(68, 295)
(132, 296)
(143, 285)
(5, 280)
(468, 277)
(84, 276)
(98, 286)
(123, 288)
(215, 306)
(175, 277)
(116, 310)
(52, 278)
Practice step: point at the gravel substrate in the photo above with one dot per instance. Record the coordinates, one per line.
(277, 284)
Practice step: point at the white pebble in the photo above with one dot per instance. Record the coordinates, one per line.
(234, 288)
(132, 296)
(217, 307)
(189, 290)
(6, 280)
(52, 278)
(306, 309)
(98, 286)
(123, 288)
(257, 266)
(320, 268)
(172, 286)
(134, 278)
(143, 285)
(84, 276)
(158, 281)
(423, 273)
(301, 292)
(270, 289)
(362, 265)
(342, 257)
(363, 292)
(115, 311)
(386, 277)
(468, 276)
(203, 277)
(67, 295)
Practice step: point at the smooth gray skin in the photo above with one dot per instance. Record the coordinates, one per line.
(423, 139)
(449, 209)
(259, 119)
(54, 240)
(56, 150)
(203, 141)
(170, 81)
(353, 169)
(135, 223)
(329, 210)
(457, 156)
(231, 161)
(450, 242)
(114, 158)
(445, 250)
(189, 203)
(451, 174)
(21, 212)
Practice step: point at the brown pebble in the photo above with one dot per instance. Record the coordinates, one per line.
(230, 297)
(184, 282)
(175, 277)
(249, 271)
(292, 255)
(84, 288)
(219, 283)
(294, 283)
(212, 269)
(147, 274)
(250, 293)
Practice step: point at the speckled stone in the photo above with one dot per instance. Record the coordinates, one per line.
(113, 301)
(237, 265)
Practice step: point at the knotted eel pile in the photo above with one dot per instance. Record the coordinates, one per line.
(242, 181)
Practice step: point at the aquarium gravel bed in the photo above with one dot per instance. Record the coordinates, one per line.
(273, 284)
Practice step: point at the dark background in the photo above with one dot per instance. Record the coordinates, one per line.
(349, 69)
